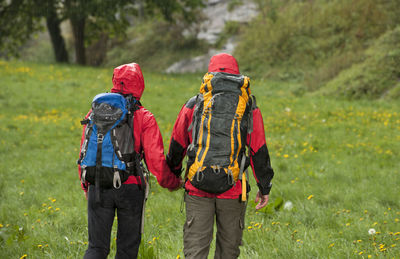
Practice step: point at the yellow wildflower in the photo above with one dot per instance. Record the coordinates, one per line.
(310, 197)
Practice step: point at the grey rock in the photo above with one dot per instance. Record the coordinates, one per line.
(217, 14)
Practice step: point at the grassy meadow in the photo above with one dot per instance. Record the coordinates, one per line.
(336, 162)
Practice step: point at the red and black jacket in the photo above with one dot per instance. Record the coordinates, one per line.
(259, 156)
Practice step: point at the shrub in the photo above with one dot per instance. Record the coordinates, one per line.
(312, 40)
(377, 76)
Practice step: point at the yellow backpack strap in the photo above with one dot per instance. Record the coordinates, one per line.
(243, 174)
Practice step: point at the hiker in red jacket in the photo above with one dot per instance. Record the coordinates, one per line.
(216, 152)
(128, 200)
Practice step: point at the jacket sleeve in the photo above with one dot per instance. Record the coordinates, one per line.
(85, 185)
(259, 156)
(153, 149)
(180, 138)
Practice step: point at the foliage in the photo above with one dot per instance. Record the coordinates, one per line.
(376, 75)
(16, 33)
(336, 160)
(312, 41)
(231, 29)
(91, 21)
(154, 44)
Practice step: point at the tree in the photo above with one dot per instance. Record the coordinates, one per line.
(102, 17)
(53, 22)
(20, 18)
(17, 22)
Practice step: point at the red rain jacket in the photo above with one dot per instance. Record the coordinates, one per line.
(128, 79)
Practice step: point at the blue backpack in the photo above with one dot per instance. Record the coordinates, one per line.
(107, 156)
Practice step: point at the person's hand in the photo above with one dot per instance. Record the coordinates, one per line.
(263, 200)
(181, 182)
(86, 194)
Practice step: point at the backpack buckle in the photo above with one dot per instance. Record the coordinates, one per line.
(231, 181)
(83, 174)
(100, 138)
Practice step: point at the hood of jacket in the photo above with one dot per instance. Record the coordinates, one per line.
(223, 62)
(128, 79)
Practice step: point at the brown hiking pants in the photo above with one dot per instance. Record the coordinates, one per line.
(199, 226)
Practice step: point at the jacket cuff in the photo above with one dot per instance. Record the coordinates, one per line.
(177, 172)
(264, 190)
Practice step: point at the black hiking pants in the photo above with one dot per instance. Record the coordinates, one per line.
(128, 202)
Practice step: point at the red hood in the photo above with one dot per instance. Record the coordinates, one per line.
(223, 63)
(128, 79)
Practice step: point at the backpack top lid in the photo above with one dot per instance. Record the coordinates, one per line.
(108, 110)
(223, 62)
(128, 79)
(225, 82)
(113, 99)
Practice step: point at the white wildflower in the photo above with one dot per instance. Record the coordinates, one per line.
(288, 205)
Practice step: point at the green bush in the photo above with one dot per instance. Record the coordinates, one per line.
(312, 41)
(376, 76)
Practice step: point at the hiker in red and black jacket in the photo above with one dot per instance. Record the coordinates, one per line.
(227, 207)
(129, 198)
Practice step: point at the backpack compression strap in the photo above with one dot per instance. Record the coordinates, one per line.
(85, 144)
(100, 138)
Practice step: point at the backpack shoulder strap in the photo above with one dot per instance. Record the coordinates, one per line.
(193, 124)
(252, 106)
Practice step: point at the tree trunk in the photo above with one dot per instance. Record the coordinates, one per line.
(78, 30)
(96, 52)
(57, 41)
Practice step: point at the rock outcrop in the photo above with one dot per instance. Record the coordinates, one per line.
(217, 13)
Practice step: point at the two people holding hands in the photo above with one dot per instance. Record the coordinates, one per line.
(221, 131)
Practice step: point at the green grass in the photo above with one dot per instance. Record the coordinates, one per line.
(335, 160)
